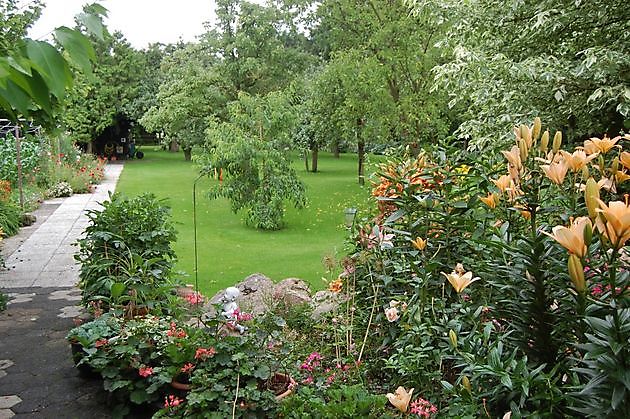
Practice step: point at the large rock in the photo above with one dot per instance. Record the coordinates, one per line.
(324, 302)
(256, 293)
(292, 291)
(259, 293)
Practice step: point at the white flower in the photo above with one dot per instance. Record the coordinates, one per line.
(392, 314)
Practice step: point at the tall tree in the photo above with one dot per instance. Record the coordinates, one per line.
(99, 98)
(566, 61)
(404, 46)
(188, 98)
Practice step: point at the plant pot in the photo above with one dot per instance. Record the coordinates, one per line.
(178, 385)
(282, 385)
(77, 355)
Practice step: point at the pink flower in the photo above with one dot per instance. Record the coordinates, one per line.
(392, 314)
(195, 298)
(423, 408)
(188, 367)
(203, 353)
(378, 237)
(145, 371)
(172, 401)
(101, 342)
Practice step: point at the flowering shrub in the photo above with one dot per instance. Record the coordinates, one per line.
(60, 189)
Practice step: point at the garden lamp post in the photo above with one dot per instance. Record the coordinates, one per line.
(349, 216)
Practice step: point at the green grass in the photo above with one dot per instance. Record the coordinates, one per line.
(228, 249)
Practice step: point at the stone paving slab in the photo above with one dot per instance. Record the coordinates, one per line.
(39, 257)
(38, 363)
(37, 376)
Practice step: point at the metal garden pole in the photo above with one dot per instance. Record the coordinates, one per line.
(18, 156)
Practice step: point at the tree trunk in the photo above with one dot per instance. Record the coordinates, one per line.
(315, 151)
(187, 154)
(335, 148)
(173, 146)
(306, 160)
(89, 148)
(361, 153)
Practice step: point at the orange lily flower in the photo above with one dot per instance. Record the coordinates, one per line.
(572, 237)
(624, 158)
(578, 159)
(460, 280)
(556, 171)
(514, 157)
(401, 398)
(617, 227)
(503, 182)
(420, 243)
(491, 200)
(602, 145)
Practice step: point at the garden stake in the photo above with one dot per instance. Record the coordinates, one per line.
(195, 229)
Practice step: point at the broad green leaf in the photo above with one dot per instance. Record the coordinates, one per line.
(92, 23)
(21, 64)
(40, 93)
(117, 289)
(78, 47)
(51, 65)
(16, 97)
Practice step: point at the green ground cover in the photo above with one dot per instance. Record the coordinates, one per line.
(228, 249)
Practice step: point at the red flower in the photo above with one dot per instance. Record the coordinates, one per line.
(203, 353)
(101, 342)
(188, 367)
(172, 401)
(145, 371)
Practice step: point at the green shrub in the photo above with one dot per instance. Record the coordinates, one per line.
(10, 216)
(128, 242)
(343, 401)
(4, 299)
(31, 151)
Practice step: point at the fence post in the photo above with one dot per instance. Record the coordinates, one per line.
(18, 150)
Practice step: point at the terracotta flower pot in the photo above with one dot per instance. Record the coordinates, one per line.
(283, 385)
(177, 385)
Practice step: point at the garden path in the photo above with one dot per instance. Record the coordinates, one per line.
(37, 376)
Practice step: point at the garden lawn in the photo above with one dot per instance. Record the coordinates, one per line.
(228, 249)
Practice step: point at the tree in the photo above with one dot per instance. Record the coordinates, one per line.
(349, 102)
(257, 175)
(565, 61)
(98, 99)
(404, 47)
(187, 99)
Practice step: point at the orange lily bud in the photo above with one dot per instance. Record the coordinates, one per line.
(576, 272)
(591, 195)
(537, 128)
(453, 337)
(557, 142)
(544, 142)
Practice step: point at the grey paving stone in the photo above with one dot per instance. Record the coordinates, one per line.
(71, 294)
(67, 278)
(3, 373)
(7, 402)
(11, 279)
(60, 262)
(6, 413)
(5, 363)
(69, 312)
